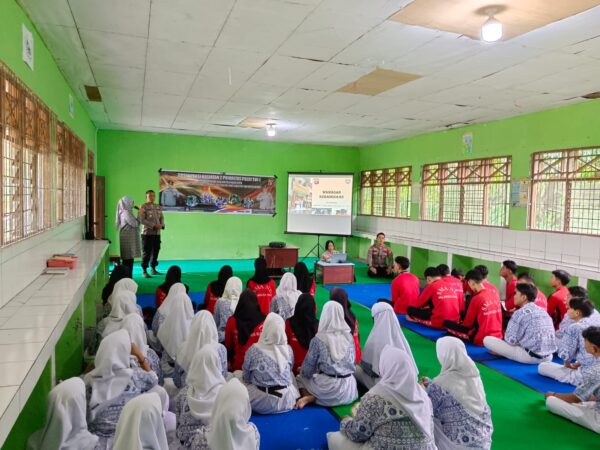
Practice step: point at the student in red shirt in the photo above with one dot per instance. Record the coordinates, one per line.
(243, 329)
(454, 283)
(173, 276)
(557, 302)
(437, 302)
(301, 328)
(484, 272)
(541, 299)
(263, 285)
(484, 313)
(405, 287)
(508, 272)
(215, 289)
(341, 296)
(306, 283)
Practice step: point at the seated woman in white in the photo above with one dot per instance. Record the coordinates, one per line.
(386, 331)
(461, 414)
(66, 427)
(327, 373)
(177, 290)
(203, 331)
(286, 297)
(123, 303)
(225, 306)
(136, 328)
(267, 370)
(141, 425)
(230, 428)
(195, 403)
(395, 413)
(124, 284)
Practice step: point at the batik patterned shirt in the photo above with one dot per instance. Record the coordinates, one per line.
(187, 425)
(571, 345)
(318, 360)
(200, 442)
(180, 375)
(150, 214)
(531, 327)
(279, 305)
(380, 256)
(590, 385)
(261, 370)
(222, 314)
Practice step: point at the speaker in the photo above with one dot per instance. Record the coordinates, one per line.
(276, 244)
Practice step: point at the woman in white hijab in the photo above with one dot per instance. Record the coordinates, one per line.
(203, 331)
(462, 416)
(286, 297)
(327, 373)
(195, 403)
(395, 413)
(267, 370)
(124, 284)
(123, 303)
(386, 331)
(225, 306)
(112, 383)
(66, 427)
(136, 328)
(162, 312)
(141, 425)
(129, 232)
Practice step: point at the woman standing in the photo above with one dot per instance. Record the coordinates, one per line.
(129, 232)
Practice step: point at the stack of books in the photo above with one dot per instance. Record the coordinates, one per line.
(62, 261)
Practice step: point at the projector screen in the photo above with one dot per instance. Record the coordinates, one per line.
(320, 203)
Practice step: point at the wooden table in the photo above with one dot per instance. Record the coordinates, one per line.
(336, 273)
(279, 258)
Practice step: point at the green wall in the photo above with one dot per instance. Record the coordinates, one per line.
(130, 162)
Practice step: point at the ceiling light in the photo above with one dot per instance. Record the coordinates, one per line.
(271, 131)
(491, 31)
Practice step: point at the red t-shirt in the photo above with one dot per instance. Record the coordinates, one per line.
(557, 305)
(541, 300)
(444, 300)
(159, 298)
(489, 286)
(356, 342)
(457, 285)
(210, 300)
(313, 289)
(299, 351)
(235, 351)
(264, 293)
(509, 301)
(405, 289)
(484, 316)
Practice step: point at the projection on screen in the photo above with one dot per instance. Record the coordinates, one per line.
(320, 203)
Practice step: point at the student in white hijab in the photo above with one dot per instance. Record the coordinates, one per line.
(124, 302)
(174, 330)
(162, 312)
(286, 296)
(386, 331)
(327, 373)
(195, 403)
(136, 328)
(141, 425)
(395, 413)
(124, 284)
(267, 370)
(66, 427)
(225, 306)
(462, 416)
(203, 331)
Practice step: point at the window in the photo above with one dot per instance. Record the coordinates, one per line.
(386, 192)
(566, 191)
(475, 191)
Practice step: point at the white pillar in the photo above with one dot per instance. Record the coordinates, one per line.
(583, 282)
(343, 244)
(449, 260)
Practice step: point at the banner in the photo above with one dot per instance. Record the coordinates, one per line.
(220, 193)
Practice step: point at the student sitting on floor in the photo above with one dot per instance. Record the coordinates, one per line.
(263, 285)
(529, 337)
(557, 302)
(484, 313)
(243, 329)
(301, 328)
(66, 426)
(541, 300)
(286, 296)
(124, 284)
(141, 425)
(306, 283)
(583, 405)
(508, 272)
(327, 374)
(571, 347)
(386, 331)
(438, 302)
(454, 283)
(195, 403)
(119, 272)
(203, 331)
(136, 328)
(267, 370)
(405, 287)
(459, 275)
(215, 288)
(574, 292)
(226, 305)
(340, 296)
(173, 276)
(123, 303)
(462, 417)
(395, 413)
(484, 271)
(176, 290)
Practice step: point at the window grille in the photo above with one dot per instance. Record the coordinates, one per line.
(386, 192)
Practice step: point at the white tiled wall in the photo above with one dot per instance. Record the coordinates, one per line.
(579, 255)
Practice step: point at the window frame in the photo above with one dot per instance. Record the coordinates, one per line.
(402, 179)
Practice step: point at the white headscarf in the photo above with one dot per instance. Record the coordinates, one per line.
(124, 303)
(174, 330)
(232, 291)
(399, 385)
(112, 373)
(175, 290)
(203, 330)
(134, 325)
(124, 284)
(459, 375)
(141, 425)
(124, 210)
(273, 341)
(288, 289)
(386, 331)
(204, 381)
(66, 427)
(334, 331)
(230, 428)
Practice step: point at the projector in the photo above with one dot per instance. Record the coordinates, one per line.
(275, 244)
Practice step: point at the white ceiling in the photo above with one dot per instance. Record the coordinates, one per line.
(202, 66)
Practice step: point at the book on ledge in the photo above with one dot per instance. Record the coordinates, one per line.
(56, 271)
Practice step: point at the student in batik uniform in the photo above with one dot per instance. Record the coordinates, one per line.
(123, 303)
(574, 292)
(340, 296)
(286, 297)
(141, 425)
(226, 305)
(124, 284)
(161, 313)
(136, 328)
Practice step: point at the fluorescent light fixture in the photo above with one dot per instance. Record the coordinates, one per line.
(491, 31)
(271, 131)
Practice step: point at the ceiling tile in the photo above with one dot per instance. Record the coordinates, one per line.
(182, 57)
(252, 92)
(119, 77)
(337, 101)
(53, 12)
(115, 49)
(331, 76)
(63, 42)
(122, 105)
(285, 71)
(298, 98)
(195, 112)
(172, 83)
(160, 110)
(129, 17)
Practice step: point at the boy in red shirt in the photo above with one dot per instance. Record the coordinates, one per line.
(508, 271)
(454, 283)
(483, 270)
(437, 302)
(557, 303)
(405, 287)
(541, 299)
(484, 313)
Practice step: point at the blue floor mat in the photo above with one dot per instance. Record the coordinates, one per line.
(298, 429)
(145, 300)
(365, 294)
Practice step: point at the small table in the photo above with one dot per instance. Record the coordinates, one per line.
(279, 258)
(336, 273)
